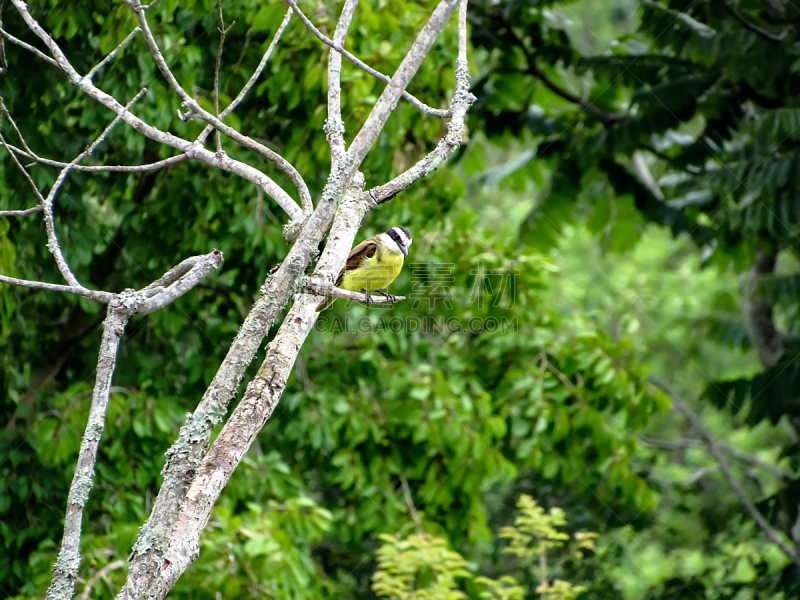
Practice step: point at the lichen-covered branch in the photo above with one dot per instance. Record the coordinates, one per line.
(190, 103)
(97, 296)
(260, 398)
(328, 290)
(148, 575)
(120, 309)
(47, 204)
(334, 127)
(339, 47)
(462, 100)
(192, 149)
(65, 571)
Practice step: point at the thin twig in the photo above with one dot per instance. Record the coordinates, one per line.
(410, 503)
(167, 162)
(190, 103)
(20, 213)
(25, 173)
(428, 110)
(734, 484)
(328, 290)
(28, 47)
(193, 150)
(730, 450)
(100, 574)
(113, 53)
(97, 296)
(222, 32)
(52, 239)
(534, 71)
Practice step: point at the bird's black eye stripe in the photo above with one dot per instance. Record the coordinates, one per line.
(396, 237)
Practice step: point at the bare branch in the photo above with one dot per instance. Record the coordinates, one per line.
(735, 453)
(20, 213)
(328, 290)
(711, 445)
(260, 398)
(193, 150)
(122, 45)
(222, 32)
(462, 99)
(100, 574)
(384, 107)
(434, 112)
(335, 126)
(410, 503)
(253, 78)
(47, 204)
(190, 103)
(28, 47)
(174, 509)
(199, 271)
(25, 173)
(65, 571)
(167, 162)
(97, 296)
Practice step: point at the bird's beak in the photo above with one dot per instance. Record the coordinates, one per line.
(404, 250)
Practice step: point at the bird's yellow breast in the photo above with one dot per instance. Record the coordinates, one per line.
(374, 273)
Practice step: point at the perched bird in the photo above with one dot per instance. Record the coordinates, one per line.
(373, 264)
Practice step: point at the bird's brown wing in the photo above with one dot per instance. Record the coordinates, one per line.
(365, 249)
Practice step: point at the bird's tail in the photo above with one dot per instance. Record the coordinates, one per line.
(325, 304)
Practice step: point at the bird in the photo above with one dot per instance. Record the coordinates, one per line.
(373, 264)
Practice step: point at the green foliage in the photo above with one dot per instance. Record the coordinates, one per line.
(421, 566)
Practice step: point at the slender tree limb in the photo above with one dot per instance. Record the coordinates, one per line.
(462, 100)
(328, 290)
(711, 445)
(199, 271)
(100, 574)
(155, 166)
(113, 54)
(25, 173)
(693, 24)
(334, 128)
(97, 296)
(253, 78)
(752, 27)
(193, 150)
(20, 213)
(410, 503)
(47, 205)
(428, 110)
(28, 47)
(534, 71)
(190, 103)
(222, 32)
(734, 453)
(65, 571)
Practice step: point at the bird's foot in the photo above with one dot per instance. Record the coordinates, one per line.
(368, 296)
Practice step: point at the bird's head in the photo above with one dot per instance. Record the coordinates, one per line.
(401, 237)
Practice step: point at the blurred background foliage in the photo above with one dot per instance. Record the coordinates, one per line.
(384, 433)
